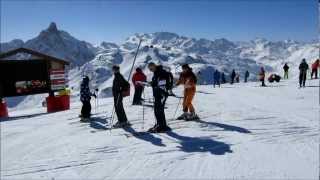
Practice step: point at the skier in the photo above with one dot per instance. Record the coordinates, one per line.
(85, 97)
(189, 80)
(160, 85)
(216, 78)
(233, 75)
(119, 86)
(286, 71)
(262, 76)
(237, 78)
(223, 78)
(314, 69)
(246, 76)
(137, 77)
(199, 77)
(303, 67)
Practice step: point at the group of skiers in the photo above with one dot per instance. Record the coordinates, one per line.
(219, 77)
(162, 83)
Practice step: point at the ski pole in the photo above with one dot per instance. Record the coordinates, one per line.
(175, 112)
(143, 112)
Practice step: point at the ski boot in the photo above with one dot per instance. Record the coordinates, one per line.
(192, 117)
(121, 124)
(84, 119)
(183, 116)
(159, 129)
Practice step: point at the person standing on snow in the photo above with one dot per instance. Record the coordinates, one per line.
(119, 86)
(85, 97)
(237, 78)
(286, 71)
(233, 75)
(223, 78)
(303, 68)
(262, 76)
(189, 80)
(314, 69)
(160, 85)
(216, 78)
(137, 77)
(246, 76)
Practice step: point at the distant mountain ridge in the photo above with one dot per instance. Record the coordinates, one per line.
(168, 49)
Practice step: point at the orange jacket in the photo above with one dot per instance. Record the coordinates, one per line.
(188, 79)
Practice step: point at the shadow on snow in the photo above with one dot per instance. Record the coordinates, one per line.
(145, 137)
(226, 127)
(200, 144)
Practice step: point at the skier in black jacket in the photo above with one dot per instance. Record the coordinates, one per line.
(85, 97)
(161, 84)
(118, 87)
(303, 67)
(233, 75)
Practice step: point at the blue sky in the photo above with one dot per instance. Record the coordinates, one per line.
(111, 20)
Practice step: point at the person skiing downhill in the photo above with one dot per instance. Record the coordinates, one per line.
(286, 71)
(216, 78)
(137, 77)
(189, 80)
(233, 75)
(119, 86)
(160, 85)
(303, 68)
(314, 69)
(262, 76)
(246, 76)
(85, 97)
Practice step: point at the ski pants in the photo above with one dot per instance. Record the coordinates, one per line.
(137, 95)
(216, 82)
(302, 78)
(286, 75)
(187, 99)
(118, 105)
(315, 73)
(159, 103)
(86, 109)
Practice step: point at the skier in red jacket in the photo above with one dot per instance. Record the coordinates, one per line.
(137, 77)
(314, 69)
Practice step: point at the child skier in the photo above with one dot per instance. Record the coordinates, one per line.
(85, 97)
(189, 80)
(286, 71)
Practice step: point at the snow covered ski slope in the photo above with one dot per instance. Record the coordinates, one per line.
(245, 132)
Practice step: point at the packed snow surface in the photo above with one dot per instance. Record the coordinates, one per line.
(245, 132)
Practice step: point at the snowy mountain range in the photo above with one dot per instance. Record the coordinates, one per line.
(168, 49)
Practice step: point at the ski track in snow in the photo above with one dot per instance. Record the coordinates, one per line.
(245, 131)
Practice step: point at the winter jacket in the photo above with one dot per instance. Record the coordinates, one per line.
(85, 94)
(303, 67)
(138, 76)
(188, 79)
(315, 65)
(216, 76)
(119, 84)
(233, 74)
(285, 67)
(247, 74)
(161, 82)
(262, 75)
